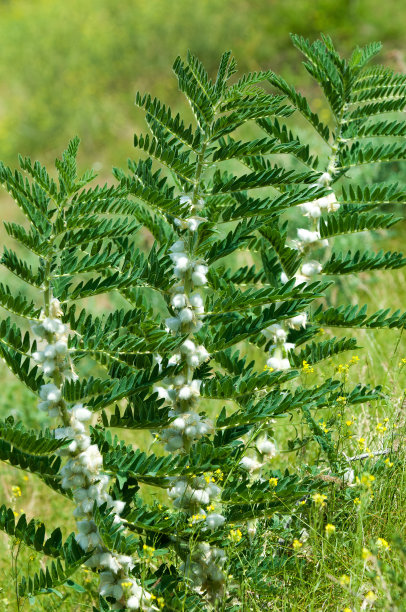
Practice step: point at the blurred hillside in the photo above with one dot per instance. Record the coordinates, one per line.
(73, 67)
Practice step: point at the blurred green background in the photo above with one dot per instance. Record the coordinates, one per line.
(73, 67)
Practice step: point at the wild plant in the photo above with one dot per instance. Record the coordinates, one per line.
(174, 365)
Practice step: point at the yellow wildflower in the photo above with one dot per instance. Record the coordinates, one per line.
(273, 482)
(319, 499)
(297, 545)
(235, 535)
(361, 443)
(306, 367)
(330, 529)
(382, 544)
(148, 550)
(380, 428)
(370, 597)
(344, 580)
(388, 462)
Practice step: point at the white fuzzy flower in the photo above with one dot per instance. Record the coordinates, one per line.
(178, 300)
(188, 346)
(278, 363)
(249, 464)
(214, 520)
(307, 237)
(185, 393)
(178, 247)
(298, 321)
(50, 393)
(266, 447)
(329, 203)
(196, 300)
(311, 209)
(186, 315)
(80, 413)
(173, 323)
(193, 223)
(325, 179)
(311, 268)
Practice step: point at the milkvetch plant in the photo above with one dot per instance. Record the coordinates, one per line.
(167, 526)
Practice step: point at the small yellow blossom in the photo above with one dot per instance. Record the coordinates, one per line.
(349, 423)
(382, 544)
(370, 597)
(380, 428)
(324, 427)
(273, 482)
(16, 491)
(161, 602)
(306, 367)
(235, 535)
(330, 529)
(148, 550)
(366, 554)
(388, 462)
(367, 480)
(297, 545)
(347, 610)
(357, 501)
(361, 443)
(219, 475)
(319, 499)
(344, 580)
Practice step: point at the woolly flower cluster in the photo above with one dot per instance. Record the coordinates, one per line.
(193, 494)
(307, 240)
(82, 473)
(190, 494)
(204, 568)
(183, 391)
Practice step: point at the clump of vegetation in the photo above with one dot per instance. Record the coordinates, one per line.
(207, 513)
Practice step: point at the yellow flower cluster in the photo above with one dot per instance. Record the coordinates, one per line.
(273, 482)
(366, 480)
(381, 428)
(196, 517)
(319, 499)
(382, 544)
(306, 367)
(330, 529)
(235, 535)
(323, 426)
(297, 545)
(148, 550)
